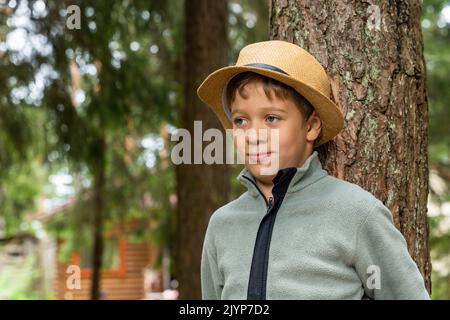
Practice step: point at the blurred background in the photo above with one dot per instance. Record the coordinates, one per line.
(88, 195)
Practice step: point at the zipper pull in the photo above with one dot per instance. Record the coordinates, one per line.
(269, 205)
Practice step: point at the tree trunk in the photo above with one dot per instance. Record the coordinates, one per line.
(97, 251)
(201, 188)
(373, 53)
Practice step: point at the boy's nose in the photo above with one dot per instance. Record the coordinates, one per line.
(257, 135)
(258, 140)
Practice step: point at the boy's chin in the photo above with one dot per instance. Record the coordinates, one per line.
(264, 173)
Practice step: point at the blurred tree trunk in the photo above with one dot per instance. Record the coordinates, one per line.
(374, 57)
(97, 251)
(201, 188)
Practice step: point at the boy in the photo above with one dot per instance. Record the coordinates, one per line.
(297, 233)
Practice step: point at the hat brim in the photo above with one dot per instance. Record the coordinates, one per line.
(211, 90)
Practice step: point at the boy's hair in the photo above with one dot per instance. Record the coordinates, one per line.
(281, 91)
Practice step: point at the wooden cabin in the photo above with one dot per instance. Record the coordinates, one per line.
(126, 272)
(123, 274)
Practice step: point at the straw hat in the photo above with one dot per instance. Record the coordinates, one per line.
(287, 63)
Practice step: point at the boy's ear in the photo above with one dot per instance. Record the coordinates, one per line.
(314, 126)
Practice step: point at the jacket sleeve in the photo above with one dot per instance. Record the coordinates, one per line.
(382, 261)
(211, 280)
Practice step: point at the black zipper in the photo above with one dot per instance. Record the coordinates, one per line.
(258, 271)
(270, 204)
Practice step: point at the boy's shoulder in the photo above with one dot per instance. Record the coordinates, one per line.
(346, 191)
(349, 197)
(234, 207)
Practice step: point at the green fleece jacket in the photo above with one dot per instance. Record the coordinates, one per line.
(321, 238)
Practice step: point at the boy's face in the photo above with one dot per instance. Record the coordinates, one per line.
(277, 117)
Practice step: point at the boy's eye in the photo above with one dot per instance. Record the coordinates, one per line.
(272, 119)
(239, 121)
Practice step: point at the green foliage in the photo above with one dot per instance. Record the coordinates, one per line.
(112, 82)
(20, 186)
(248, 23)
(440, 255)
(18, 282)
(436, 35)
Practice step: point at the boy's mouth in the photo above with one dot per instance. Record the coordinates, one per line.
(257, 157)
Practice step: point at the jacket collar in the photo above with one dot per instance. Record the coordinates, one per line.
(308, 173)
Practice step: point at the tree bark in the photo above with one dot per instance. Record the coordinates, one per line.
(373, 53)
(201, 189)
